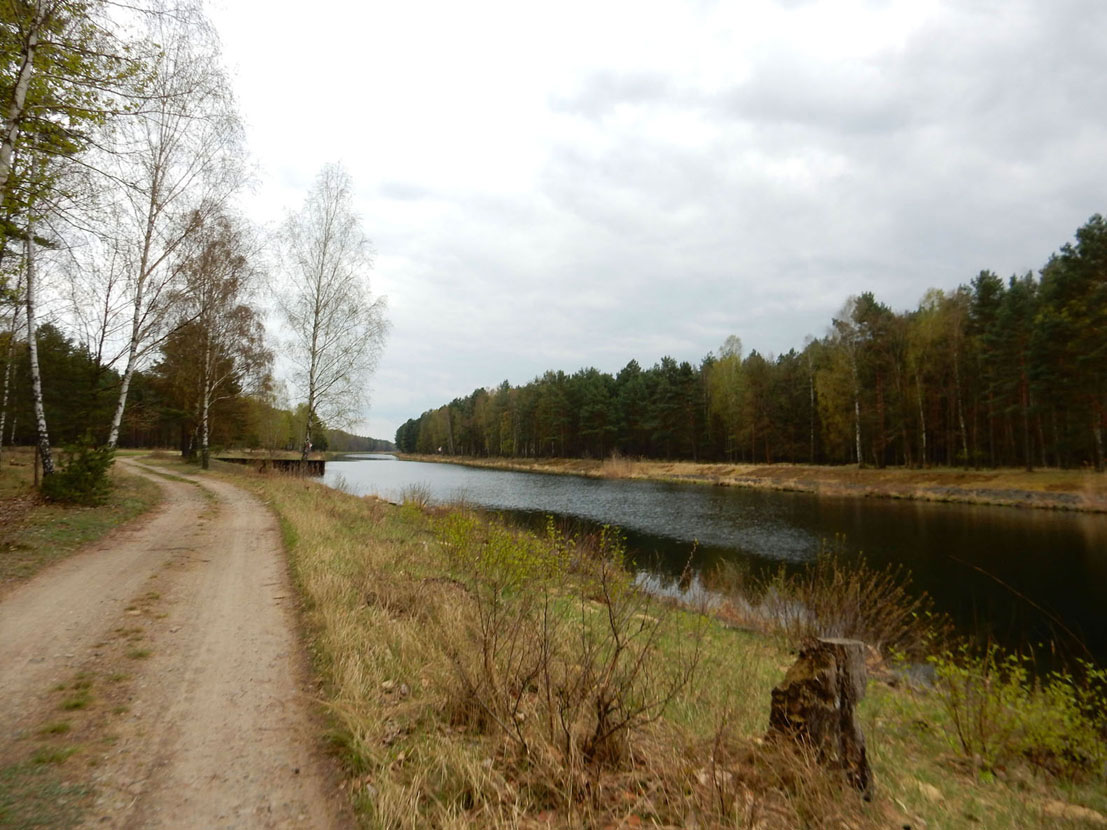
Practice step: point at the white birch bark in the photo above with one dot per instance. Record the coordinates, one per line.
(138, 309)
(186, 150)
(205, 431)
(42, 434)
(16, 111)
(960, 406)
(337, 328)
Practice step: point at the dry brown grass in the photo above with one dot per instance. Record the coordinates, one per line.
(617, 466)
(475, 681)
(433, 676)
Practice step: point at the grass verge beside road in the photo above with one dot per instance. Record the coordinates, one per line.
(469, 671)
(34, 534)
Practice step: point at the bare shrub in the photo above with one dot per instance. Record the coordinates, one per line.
(340, 484)
(610, 683)
(833, 598)
(565, 662)
(416, 495)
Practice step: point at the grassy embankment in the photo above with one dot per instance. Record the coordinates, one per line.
(1046, 488)
(476, 676)
(35, 534)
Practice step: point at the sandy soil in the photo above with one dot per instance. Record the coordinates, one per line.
(212, 723)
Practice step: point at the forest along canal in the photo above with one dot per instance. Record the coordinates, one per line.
(975, 561)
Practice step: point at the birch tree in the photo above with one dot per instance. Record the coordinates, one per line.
(180, 160)
(337, 327)
(229, 349)
(63, 72)
(41, 178)
(41, 432)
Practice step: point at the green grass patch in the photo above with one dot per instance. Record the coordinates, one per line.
(41, 534)
(81, 700)
(139, 653)
(53, 754)
(36, 795)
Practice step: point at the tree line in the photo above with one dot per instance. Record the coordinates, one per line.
(129, 282)
(998, 372)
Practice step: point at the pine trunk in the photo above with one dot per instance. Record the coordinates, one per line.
(922, 420)
(8, 360)
(1097, 435)
(811, 385)
(1024, 399)
(960, 408)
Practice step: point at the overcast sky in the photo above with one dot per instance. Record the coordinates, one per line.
(558, 185)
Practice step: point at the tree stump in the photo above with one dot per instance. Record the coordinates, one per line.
(814, 706)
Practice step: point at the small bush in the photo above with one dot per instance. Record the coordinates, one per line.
(82, 478)
(340, 484)
(560, 650)
(834, 598)
(416, 495)
(999, 711)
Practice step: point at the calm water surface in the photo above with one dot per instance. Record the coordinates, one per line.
(998, 571)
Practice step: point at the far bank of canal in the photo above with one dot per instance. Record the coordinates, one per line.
(987, 566)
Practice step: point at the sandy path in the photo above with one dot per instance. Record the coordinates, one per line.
(218, 730)
(50, 626)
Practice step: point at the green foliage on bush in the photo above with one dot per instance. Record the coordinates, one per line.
(999, 711)
(82, 477)
(497, 560)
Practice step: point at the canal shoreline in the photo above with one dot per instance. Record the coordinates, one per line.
(389, 603)
(1048, 489)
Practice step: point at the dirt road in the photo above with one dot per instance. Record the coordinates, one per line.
(182, 633)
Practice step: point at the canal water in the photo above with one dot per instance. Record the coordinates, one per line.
(1020, 576)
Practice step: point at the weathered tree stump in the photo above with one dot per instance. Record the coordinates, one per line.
(814, 706)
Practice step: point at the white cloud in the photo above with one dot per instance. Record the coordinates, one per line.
(558, 185)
